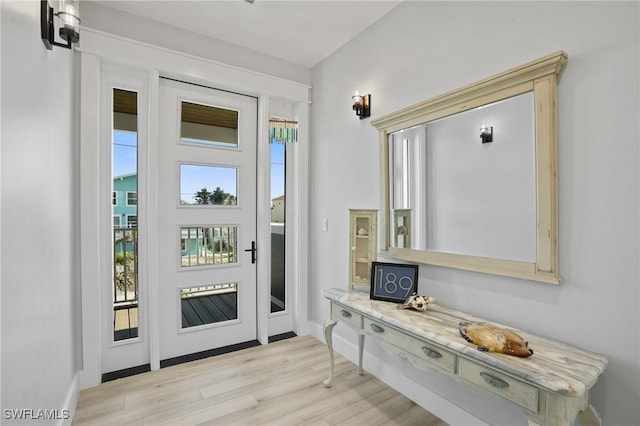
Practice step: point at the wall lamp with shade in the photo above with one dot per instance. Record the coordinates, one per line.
(70, 21)
(486, 134)
(361, 105)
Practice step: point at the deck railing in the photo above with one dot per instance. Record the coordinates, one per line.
(125, 283)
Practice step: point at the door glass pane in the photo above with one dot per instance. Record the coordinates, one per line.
(124, 202)
(208, 304)
(277, 227)
(215, 245)
(208, 125)
(208, 185)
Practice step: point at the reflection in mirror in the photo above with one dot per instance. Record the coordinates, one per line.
(449, 192)
(208, 125)
(208, 185)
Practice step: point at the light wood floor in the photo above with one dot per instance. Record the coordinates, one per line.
(276, 384)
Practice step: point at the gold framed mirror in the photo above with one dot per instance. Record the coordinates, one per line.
(412, 238)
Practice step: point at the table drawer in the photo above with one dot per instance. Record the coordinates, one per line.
(346, 315)
(426, 351)
(507, 387)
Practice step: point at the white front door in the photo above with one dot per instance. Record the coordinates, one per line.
(206, 213)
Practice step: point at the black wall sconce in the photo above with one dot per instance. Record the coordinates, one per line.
(361, 105)
(486, 134)
(68, 15)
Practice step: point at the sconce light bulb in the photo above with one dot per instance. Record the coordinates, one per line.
(361, 104)
(357, 98)
(67, 17)
(68, 13)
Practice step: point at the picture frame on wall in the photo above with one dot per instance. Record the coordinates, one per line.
(393, 282)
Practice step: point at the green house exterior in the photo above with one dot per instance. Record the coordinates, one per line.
(125, 201)
(125, 212)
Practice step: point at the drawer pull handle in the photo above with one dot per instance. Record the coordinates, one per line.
(494, 381)
(345, 314)
(431, 353)
(376, 328)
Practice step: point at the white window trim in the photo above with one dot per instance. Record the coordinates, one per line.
(127, 199)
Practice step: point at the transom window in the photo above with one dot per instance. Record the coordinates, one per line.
(208, 125)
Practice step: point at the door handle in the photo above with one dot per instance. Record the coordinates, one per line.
(253, 251)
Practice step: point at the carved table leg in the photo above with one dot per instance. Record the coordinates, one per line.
(328, 330)
(360, 350)
(590, 417)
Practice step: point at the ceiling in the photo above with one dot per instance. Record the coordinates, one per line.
(299, 31)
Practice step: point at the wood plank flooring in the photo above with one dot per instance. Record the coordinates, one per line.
(276, 384)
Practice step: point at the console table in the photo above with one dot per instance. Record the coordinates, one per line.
(551, 386)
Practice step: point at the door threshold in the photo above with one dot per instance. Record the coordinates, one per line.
(282, 336)
(208, 353)
(120, 374)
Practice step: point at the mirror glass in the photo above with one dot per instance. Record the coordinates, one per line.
(450, 192)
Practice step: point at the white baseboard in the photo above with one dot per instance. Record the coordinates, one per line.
(70, 401)
(430, 401)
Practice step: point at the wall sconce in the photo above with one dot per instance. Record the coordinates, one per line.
(361, 105)
(486, 134)
(68, 14)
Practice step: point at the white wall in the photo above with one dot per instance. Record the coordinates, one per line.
(38, 268)
(137, 28)
(423, 49)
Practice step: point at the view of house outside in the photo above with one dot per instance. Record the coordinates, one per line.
(201, 245)
(124, 204)
(278, 166)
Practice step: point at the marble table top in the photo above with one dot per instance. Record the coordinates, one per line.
(554, 366)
